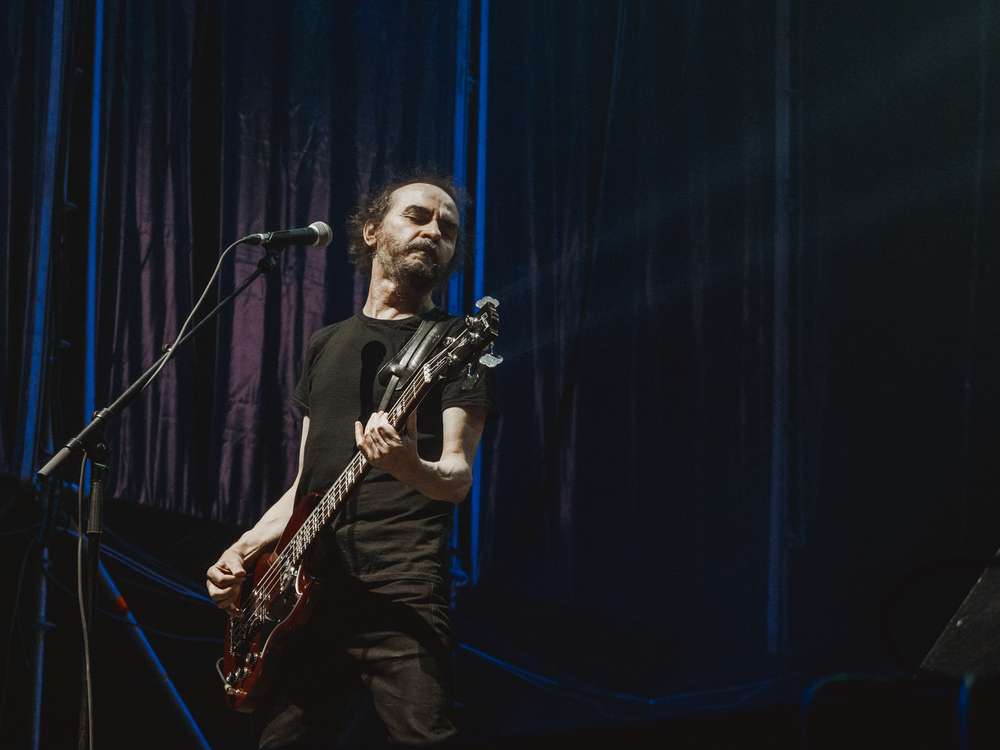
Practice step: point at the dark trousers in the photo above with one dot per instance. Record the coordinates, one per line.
(394, 638)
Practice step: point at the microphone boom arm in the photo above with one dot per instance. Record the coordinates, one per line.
(102, 417)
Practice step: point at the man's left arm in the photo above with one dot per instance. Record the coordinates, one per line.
(449, 478)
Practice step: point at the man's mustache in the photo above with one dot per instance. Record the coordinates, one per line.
(423, 244)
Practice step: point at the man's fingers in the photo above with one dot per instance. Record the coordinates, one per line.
(228, 601)
(223, 577)
(225, 580)
(224, 585)
(222, 594)
(216, 591)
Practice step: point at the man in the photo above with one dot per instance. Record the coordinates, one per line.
(383, 614)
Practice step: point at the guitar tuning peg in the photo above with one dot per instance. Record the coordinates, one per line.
(486, 300)
(490, 359)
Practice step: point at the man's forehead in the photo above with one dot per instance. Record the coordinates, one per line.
(424, 195)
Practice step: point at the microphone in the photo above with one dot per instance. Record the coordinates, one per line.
(316, 234)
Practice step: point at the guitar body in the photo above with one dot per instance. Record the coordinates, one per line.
(272, 610)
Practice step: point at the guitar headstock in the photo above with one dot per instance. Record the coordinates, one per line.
(473, 344)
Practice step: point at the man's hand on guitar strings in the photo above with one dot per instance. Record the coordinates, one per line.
(384, 447)
(225, 582)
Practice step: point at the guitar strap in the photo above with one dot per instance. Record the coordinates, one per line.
(411, 356)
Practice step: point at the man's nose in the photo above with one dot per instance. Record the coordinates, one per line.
(432, 230)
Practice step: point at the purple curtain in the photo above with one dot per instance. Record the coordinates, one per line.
(223, 121)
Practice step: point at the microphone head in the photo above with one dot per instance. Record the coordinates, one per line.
(324, 235)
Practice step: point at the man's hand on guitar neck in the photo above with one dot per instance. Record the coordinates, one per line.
(386, 448)
(450, 477)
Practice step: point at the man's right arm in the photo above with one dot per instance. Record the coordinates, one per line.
(225, 578)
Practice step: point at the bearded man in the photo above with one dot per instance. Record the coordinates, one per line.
(383, 615)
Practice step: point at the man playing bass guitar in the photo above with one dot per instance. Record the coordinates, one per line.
(382, 615)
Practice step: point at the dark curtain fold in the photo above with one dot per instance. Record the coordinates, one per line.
(901, 180)
(26, 32)
(630, 237)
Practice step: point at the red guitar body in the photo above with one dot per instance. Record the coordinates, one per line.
(272, 611)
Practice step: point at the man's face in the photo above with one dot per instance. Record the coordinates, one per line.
(416, 240)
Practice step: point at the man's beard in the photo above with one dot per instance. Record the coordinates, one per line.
(421, 274)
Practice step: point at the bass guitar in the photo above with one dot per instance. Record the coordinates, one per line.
(284, 590)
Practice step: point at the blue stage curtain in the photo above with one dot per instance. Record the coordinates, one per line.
(31, 210)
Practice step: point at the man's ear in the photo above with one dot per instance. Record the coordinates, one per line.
(369, 234)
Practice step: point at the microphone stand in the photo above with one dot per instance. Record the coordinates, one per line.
(91, 442)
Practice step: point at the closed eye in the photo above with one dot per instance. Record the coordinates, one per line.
(421, 216)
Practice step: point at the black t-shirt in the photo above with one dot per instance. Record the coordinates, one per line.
(387, 530)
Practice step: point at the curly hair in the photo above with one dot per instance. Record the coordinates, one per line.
(373, 208)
